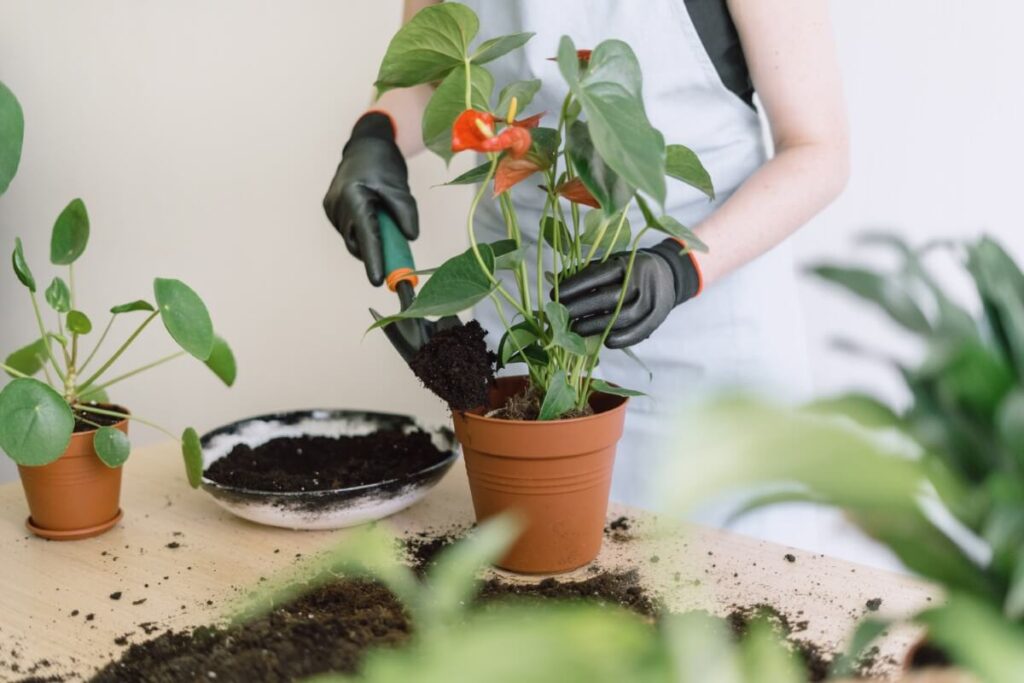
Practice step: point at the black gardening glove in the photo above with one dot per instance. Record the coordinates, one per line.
(662, 279)
(371, 176)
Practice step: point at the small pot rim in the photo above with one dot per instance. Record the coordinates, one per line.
(567, 421)
(111, 406)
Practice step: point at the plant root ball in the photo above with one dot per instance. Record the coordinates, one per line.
(457, 366)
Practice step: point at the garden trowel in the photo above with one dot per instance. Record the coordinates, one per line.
(410, 334)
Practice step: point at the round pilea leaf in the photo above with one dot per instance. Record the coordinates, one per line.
(222, 361)
(21, 268)
(35, 422)
(58, 295)
(12, 133)
(112, 446)
(79, 322)
(70, 234)
(138, 305)
(185, 317)
(193, 454)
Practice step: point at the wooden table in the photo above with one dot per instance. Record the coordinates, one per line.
(177, 559)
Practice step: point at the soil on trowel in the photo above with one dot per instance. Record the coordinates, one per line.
(319, 463)
(457, 366)
(329, 629)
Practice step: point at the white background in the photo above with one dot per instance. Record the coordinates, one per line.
(203, 135)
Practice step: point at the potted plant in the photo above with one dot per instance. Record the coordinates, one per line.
(943, 485)
(68, 440)
(601, 154)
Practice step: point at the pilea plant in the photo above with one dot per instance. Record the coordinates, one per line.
(38, 417)
(600, 152)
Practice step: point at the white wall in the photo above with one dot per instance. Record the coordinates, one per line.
(202, 136)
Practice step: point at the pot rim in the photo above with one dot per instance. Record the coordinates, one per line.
(568, 421)
(93, 430)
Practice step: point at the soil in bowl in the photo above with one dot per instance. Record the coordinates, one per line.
(457, 366)
(321, 463)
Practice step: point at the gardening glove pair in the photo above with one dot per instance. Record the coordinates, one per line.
(663, 277)
(372, 176)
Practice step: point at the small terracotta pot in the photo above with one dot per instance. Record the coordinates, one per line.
(555, 474)
(76, 496)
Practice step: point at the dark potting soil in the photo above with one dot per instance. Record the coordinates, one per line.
(329, 629)
(526, 406)
(319, 463)
(101, 420)
(929, 655)
(620, 589)
(457, 366)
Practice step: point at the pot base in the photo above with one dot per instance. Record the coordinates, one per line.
(74, 534)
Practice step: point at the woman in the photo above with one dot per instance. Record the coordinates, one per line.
(703, 61)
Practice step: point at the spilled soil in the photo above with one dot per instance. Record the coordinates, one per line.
(319, 463)
(457, 366)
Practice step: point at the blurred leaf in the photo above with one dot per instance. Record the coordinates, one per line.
(1013, 606)
(523, 91)
(683, 164)
(448, 101)
(1000, 284)
(35, 422)
(222, 361)
(561, 335)
(605, 388)
(29, 359)
(138, 305)
(631, 354)
(12, 133)
(59, 296)
(79, 322)
(185, 316)
(496, 47)
(70, 234)
(430, 45)
(21, 268)
(610, 190)
(765, 659)
(614, 238)
(473, 175)
(702, 649)
(867, 632)
(192, 452)
(559, 397)
(977, 638)
(112, 446)
(861, 408)
(1009, 423)
(887, 293)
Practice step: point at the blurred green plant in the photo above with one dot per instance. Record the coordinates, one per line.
(940, 482)
(38, 417)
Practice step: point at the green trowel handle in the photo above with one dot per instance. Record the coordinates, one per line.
(398, 263)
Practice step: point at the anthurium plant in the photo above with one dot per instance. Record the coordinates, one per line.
(599, 152)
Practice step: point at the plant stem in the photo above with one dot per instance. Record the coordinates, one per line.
(71, 282)
(46, 339)
(124, 416)
(136, 371)
(16, 373)
(120, 350)
(522, 352)
(615, 235)
(106, 330)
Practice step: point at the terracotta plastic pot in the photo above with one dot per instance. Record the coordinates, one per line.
(555, 474)
(76, 496)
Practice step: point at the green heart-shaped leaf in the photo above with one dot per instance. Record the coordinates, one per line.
(490, 50)
(682, 163)
(515, 340)
(448, 101)
(29, 359)
(553, 226)
(59, 296)
(185, 317)
(432, 43)
(138, 305)
(523, 91)
(562, 336)
(21, 268)
(608, 187)
(507, 256)
(889, 294)
(12, 133)
(473, 175)
(615, 237)
(192, 452)
(222, 361)
(70, 234)
(605, 388)
(559, 397)
(670, 226)
(112, 446)
(35, 422)
(79, 322)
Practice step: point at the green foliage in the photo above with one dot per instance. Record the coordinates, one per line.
(185, 316)
(70, 234)
(12, 133)
(59, 296)
(112, 446)
(448, 101)
(490, 50)
(683, 164)
(559, 397)
(21, 269)
(192, 452)
(523, 91)
(79, 323)
(35, 422)
(131, 306)
(222, 361)
(428, 47)
(29, 359)
(606, 388)
(609, 233)
(607, 186)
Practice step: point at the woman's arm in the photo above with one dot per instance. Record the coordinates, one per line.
(406, 105)
(791, 55)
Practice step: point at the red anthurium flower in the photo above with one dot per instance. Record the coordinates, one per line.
(575, 191)
(582, 55)
(529, 121)
(475, 130)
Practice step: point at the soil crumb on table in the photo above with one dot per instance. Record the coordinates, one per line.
(457, 366)
(620, 589)
(327, 630)
(319, 463)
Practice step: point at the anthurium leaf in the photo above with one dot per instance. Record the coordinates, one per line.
(616, 236)
(473, 175)
(544, 146)
(112, 446)
(59, 296)
(29, 359)
(79, 322)
(448, 101)
(606, 388)
(185, 317)
(12, 133)
(523, 91)
(222, 361)
(865, 410)
(428, 46)
(609, 92)
(458, 284)
(35, 422)
(607, 186)
(888, 293)
(192, 452)
(139, 305)
(553, 226)
(683, 164)
(490, 50)
(559, 397)
(1000, 285)
(70, 234)
(513, 342)
(631, 354)
(507, 256)
(562, 336)
(20, 265)
(670, 226)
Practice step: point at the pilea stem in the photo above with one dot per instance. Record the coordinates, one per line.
(136, 371)
(16, 373)
(124, 416)
(120, 350)
(44, 337)
(106, 331)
